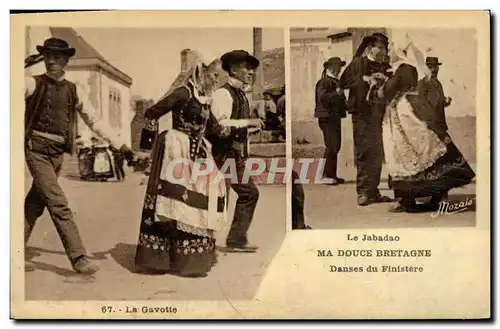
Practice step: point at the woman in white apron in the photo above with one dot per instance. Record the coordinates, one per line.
(180, 216)
(421, 162)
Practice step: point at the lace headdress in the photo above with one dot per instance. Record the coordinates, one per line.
(411, 55)
(193, 70)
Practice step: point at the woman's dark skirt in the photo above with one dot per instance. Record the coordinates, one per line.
(162, 247)
(448, 172)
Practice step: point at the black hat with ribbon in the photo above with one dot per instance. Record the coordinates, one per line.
(334, 61)
(55, 45)
(370, 40)
(236, 57)
(432, 61)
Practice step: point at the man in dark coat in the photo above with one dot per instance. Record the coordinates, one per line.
(298, 200)
(52, 103)
(367, 114)
(231, 108)
(281, 112)
(432, 91)
(330, 109)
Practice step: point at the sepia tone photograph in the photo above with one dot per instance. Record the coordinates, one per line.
(107, 111)
(250, 165)
(388, 118)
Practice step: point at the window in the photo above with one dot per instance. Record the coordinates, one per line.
(115, 108)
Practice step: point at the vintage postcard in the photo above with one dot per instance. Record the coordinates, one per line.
(251, 165)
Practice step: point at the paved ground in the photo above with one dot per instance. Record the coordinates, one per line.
(108, 217)
(334, 207)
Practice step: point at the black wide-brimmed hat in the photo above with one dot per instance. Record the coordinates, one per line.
(371, 39)
(236, 57)
(334, 61)
(432, 61)
(377, 37)
(55, 45)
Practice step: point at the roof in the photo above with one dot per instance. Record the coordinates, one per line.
(313, 33)
(273, 65)
(86, 55)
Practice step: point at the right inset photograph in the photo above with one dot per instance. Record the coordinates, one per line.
(383, 127)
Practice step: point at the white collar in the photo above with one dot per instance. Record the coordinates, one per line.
(233, 82)
(331, 75)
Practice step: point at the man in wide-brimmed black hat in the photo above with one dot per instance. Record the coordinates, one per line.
(52, 103)
(433, 92)
(330, 109)
(367, 113)
(231, 108)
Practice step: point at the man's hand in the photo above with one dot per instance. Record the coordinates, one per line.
(379, 76)
(256, 123)
(252, 131)
(367, 78)
(447, 101)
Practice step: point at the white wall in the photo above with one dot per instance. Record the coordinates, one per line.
(127, 113)
(36, 36)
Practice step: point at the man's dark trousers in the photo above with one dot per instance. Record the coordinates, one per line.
(44, 159)
(331, 127)
(369, 151)
(248, 195)
(298, 221)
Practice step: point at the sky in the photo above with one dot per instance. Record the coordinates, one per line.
(151, 57)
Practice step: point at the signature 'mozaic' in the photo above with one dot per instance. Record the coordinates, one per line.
(448, 208)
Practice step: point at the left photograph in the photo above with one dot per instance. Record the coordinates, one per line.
(140, 149)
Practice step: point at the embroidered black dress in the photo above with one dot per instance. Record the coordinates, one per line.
(449, 171)
(165, 244)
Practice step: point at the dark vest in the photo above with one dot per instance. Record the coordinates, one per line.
(240, 110)
(51, 109)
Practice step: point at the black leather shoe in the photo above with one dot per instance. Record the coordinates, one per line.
(340, 180)
(233, 247)
(364, 200)
(397, 209)
(84, 266)
(379, 198)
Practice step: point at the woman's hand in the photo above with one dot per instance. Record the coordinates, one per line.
(205, 112)
(379, 76)
(380, 92)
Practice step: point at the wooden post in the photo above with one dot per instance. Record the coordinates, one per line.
(257, 52)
